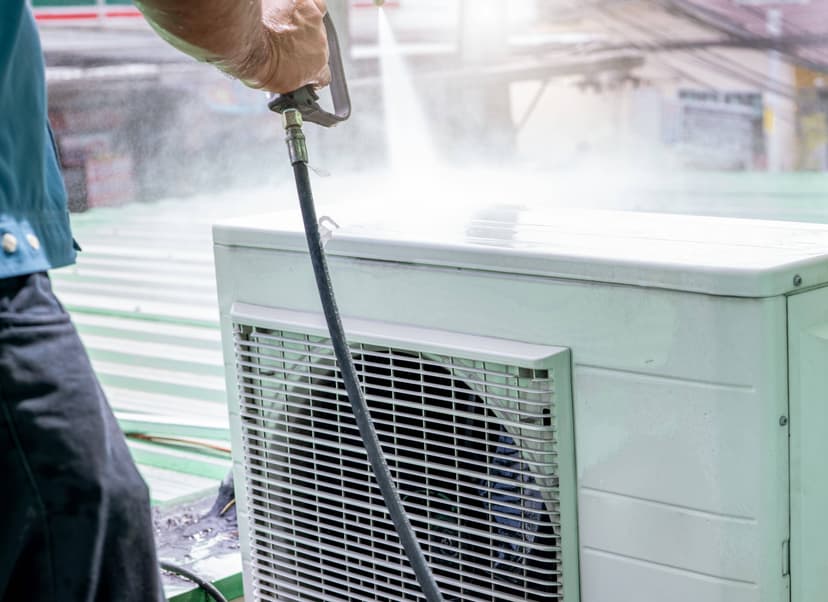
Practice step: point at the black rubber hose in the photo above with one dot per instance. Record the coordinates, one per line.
(405, 530)
(208, 587)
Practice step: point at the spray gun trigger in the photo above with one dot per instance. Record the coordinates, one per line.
(327, 226)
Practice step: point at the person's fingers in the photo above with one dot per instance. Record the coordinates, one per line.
(297, 48)
(322, 5)
(324, 77)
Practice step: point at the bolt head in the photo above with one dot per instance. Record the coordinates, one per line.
(783, 421)
(797, 281)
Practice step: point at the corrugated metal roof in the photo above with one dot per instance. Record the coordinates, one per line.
(143, 297)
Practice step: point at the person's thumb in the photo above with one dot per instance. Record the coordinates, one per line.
(323, 78)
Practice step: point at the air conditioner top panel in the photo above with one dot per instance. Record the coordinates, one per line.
(714, 255)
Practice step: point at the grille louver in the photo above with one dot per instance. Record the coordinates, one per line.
(473, 447)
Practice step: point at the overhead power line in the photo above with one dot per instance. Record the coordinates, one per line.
(715, 20)
(709, 60)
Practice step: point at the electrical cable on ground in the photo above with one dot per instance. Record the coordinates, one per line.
(227, 507)
(205, 585)
(163, 439)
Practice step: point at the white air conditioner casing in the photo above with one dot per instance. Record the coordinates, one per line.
(657, 382)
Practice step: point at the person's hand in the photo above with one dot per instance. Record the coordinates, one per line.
(294, 46)
(275, 45)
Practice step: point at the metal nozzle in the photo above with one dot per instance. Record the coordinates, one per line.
(292, 118)
(295, 138)
(379, 2)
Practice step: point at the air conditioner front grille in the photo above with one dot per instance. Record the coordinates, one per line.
(472, 446)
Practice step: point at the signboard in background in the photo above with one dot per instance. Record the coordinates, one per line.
(721, 130)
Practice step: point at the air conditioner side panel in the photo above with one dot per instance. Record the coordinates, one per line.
(681, 462)
(607, 579)
(808, 332)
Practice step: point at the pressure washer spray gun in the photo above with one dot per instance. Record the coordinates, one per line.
(296, 108)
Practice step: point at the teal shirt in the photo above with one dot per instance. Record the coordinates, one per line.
(35, 234)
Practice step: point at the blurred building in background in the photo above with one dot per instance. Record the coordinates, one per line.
(558, 84)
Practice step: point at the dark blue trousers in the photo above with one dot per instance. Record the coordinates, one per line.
(75, 513)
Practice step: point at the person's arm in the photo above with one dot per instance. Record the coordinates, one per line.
(276, 45)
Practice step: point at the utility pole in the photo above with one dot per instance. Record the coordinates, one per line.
(780, 112)
(773, 25)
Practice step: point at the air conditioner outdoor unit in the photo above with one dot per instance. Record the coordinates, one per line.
(575, 405)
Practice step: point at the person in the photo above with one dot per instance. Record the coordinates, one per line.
(76, 514)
